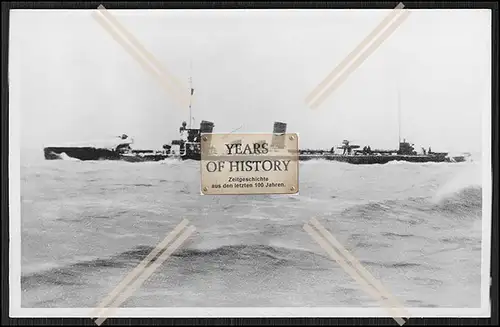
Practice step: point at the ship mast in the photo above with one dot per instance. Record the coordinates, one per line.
(399, 117)
(191, 92)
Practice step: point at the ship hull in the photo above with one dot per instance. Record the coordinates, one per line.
(96, 154)
(192, 156)
(381, 159)
(89, 153)
(80, 153)
(143, 158)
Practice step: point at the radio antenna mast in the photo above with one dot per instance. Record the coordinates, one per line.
(399, 116)
(191, 91)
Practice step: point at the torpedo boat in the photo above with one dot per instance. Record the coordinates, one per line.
(187, 147)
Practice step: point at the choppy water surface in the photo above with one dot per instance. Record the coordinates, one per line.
(85, 225)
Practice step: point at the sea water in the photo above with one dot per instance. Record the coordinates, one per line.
(86, 225)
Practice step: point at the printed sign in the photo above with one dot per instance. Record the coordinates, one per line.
(249, 164)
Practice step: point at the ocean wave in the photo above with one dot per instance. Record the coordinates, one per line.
(430, 163)
(470, 176)
(466, 202)
(391, 264)
(64, 156)
(396, 235)
(170, 161)
(69, 274)
(369, 210)
(264, 254)
(226, 254)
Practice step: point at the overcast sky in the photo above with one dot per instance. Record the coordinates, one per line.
(71, 81)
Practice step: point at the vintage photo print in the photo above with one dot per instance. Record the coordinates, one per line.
(250, 163)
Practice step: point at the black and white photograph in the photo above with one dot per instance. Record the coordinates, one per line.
(390, 215)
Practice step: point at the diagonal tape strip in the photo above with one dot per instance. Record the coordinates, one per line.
(355, 52)
(356, 264)
(396, 314)
(358, 61)
(106, 312)
(130, 37)
(141, 267)
(182, 100)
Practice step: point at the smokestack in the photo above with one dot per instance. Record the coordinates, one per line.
(279, 131)
(279, 128)
(206, 127)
